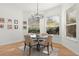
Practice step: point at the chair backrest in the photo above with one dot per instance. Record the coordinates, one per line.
(43, 34)
(28, 40)
(26, 36)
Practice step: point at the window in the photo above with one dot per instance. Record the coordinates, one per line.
(71, 23)
(33, 25)
(53, 25)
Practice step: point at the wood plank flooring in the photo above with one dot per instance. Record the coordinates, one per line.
(13, 50)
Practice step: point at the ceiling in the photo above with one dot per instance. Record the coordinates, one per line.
(30, 6)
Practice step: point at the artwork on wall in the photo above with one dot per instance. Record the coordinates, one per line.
(1, 25)
(24, 27)
(15, 26)
(15, 21)
(9, 26)
(1, 20)
(24, 22)
(10, 20)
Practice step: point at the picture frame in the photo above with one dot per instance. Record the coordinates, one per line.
(9, 26)
(15, 26)
(1, 25)
(1, 20)
(24, 22)
(10, 20)
(24, 27)
(15, 21)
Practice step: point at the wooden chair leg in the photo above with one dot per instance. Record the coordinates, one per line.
(24, 49)
(51, 46)
(30, 50)
(48, 50)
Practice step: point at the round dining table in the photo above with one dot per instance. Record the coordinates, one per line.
(38, 38)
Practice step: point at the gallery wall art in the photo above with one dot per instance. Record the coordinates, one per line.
(2, 23)
(24, 22)
(10, 20)
(9, 23)
(15, 21)
(15, 26)
(9, 26)
(24, 25)
(1, 20)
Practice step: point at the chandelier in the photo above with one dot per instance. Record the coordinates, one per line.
(37, 16)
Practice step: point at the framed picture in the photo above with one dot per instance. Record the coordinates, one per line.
(15, 21)
(1, 20)
(24, 27)
(1, 26)
(24, 22)
(9, 26)
(10, 20)
(15, 26)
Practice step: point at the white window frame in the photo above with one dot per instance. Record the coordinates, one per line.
(68, 37)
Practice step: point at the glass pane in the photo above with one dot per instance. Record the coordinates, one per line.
(33, 25)
(53, 30)
(53, 25)
(71, 30)
(71, 15)
(71, 18)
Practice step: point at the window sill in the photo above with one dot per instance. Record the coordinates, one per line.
(73, 39)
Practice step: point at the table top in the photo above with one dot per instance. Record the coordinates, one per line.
(40, 37)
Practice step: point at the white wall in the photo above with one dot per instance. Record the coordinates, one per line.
(54, 11)
(10, 36)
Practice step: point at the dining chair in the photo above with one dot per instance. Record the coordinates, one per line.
(29, 42)
(47, 43)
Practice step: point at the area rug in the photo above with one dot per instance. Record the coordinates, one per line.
(42, 52)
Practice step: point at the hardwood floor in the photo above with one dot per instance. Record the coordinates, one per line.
(13, 50)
